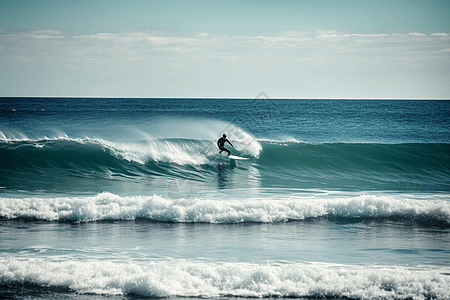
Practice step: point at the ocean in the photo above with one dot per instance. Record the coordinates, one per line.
(129, 199)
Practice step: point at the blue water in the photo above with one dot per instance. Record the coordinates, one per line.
(128, 198)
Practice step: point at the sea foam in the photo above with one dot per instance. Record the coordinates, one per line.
(208, 279)
(108, 206)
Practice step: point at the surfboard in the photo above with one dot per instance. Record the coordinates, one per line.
(234, 157)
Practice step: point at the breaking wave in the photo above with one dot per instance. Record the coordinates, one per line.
(107, 206)
(207, 280)
(28, 164)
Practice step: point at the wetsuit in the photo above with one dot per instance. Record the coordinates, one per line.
(221, 145)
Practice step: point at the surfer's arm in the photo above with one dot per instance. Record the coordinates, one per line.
(230, 143)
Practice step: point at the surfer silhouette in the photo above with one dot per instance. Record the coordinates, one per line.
(221, 144)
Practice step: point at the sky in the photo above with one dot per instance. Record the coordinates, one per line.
(304, 49)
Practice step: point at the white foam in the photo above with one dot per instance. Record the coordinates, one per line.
(13, 136)
(107, 206)
(3, 137)
(200, 279)
(157, 150)
(243, 141)
(59, 136)
(204, 129)
(163, 151)
(283, 140)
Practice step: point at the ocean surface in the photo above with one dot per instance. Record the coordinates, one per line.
(129, 199)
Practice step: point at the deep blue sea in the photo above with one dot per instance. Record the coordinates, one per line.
(129, 199)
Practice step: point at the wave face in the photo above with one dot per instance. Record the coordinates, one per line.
(348, 166)
(64, 164)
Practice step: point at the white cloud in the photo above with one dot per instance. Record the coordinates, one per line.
(202, 34)
(175, 59)
(280, 39)
(98, 36)
(359, 35)
(331, 36)
(34, 36)
(439, 34)
(137, 37)
(417, 34)
(143, 44)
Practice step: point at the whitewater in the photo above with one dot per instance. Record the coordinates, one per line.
(129, 199)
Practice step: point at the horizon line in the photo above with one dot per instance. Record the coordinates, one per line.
(225, 98)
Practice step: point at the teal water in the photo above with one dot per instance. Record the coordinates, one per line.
(122, 167)
(128, 198)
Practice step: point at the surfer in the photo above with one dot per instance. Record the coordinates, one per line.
(221, 144)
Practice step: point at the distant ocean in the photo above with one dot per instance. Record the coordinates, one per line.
(129, 199)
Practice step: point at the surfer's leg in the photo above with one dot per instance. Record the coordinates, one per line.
(229, 152)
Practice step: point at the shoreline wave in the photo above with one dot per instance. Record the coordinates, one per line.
(107, 206)
(212, 280)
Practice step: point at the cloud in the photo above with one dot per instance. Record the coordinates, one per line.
(284, 50)
(416, 34)
(281, 39)
(43, 36)
(139, 37)
(287, 57)
(34, 35)
(98, 36)
(360, 35)
(144, 45)
(439, 34)
(202, 34)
